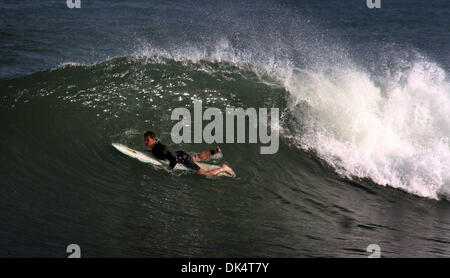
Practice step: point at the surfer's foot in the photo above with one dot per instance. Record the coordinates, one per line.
(227, 169)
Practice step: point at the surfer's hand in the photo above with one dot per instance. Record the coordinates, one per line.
(218, 150)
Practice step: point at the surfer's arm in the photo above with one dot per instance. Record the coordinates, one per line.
(161, 151)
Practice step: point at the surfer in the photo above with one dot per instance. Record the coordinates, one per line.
(161, 151)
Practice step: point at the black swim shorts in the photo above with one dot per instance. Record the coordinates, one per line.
(185, 159)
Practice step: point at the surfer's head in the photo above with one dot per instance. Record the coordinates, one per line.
(149, 139)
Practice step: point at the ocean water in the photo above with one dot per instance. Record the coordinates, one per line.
(364, 155)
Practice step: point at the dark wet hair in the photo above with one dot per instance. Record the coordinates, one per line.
(151, 134)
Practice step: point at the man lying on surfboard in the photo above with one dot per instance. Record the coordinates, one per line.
(161, 151)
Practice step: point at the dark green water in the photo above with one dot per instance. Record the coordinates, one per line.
(363, 156)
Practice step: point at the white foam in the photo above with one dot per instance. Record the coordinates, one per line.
(396, 135)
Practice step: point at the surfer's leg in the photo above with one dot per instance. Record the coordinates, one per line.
(205, 155)
(187, 160)
(215, 172)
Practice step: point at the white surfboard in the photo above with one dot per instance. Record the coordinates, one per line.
(149, 158)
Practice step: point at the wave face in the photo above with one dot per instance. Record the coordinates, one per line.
(390, 126)
(364, 112)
